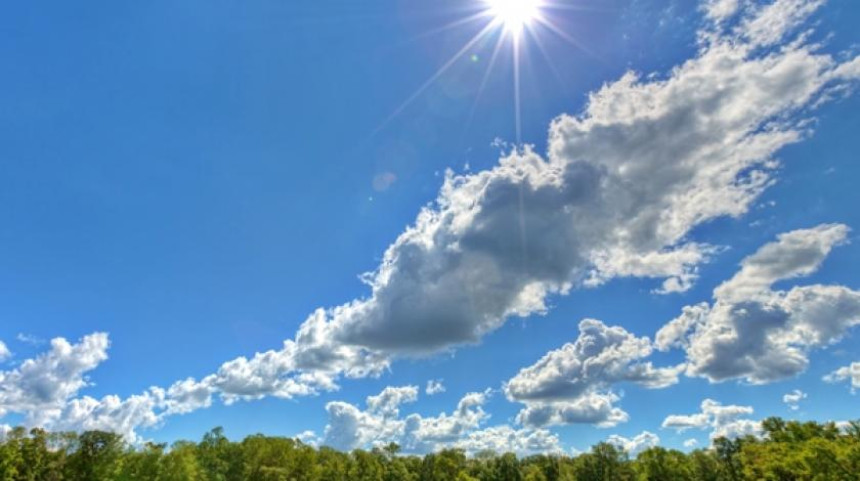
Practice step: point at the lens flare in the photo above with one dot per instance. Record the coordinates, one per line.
(515, 15)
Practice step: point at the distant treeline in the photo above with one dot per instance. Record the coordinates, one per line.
(787, 451)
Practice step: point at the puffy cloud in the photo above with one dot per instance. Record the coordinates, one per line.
(434, 386)
(44, 390)
(387, 403)
(41, 386)
(794, 398)
(111, 413)
(759, 334)
(849, 373)
(637, 444)
(691, 443)
(349, 427)
(724, 421)
(772, 22)
(573, 384)
(5, 353)
(187, 396)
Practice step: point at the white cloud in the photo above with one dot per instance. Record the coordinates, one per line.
(573, 384)
(349, 427)
(794, 398)
(724, 421)
(434, 386)
(5, 353)
(111, 413)
(691, 443)
(38, 387)
(637, 444)
(719, 10)
(773, 21)
(849, 373)
(759, 334)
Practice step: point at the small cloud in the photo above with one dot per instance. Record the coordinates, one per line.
(308, 437)
(691, 443)
(5, 353)
(434, 386)
(794, 398)
(30, 339)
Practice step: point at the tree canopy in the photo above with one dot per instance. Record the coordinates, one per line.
(788, 450)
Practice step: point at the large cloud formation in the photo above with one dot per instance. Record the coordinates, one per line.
(759, 334)
(573, 384)
(617, 194)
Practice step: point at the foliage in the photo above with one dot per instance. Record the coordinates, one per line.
(789, 450)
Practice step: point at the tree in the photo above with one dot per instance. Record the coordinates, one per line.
(96, 457)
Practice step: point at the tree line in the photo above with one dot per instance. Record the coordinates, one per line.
(788, 450)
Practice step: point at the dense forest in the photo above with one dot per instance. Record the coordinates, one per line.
(787, 451)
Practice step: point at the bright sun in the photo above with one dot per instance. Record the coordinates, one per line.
(514, 14)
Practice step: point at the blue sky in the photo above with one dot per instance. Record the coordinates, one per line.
(195, 179)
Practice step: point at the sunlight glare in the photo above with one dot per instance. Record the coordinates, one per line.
(514, 14)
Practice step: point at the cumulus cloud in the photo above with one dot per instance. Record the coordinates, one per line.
(42, 386)
(724, 421)
(691, 443)
(380, 423)
(637, 444)
(794, 398)
(621, 187)
(434, 386)
(759, 334)
(850, 373)
(5, 353)
(573, 384)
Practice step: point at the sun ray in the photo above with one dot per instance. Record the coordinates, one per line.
(457, 56)
(486, 78)
(546, 22)
(517, 21)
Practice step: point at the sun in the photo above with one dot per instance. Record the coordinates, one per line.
(514, 15)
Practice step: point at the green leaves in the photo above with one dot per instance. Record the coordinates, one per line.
(789, 450)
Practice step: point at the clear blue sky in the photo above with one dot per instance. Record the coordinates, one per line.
(196, 178)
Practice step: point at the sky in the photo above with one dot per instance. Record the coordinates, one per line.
(444, 224)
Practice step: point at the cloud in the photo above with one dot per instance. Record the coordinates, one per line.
(573, 384)
(621, 187)
(691, 443)
(5, 353)
(794, 398)
(636, 445)
(349, 427)
(39, 387)
(724, 421)
(434, 386)
(849, 373)
(758, 334)
(719, 10)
